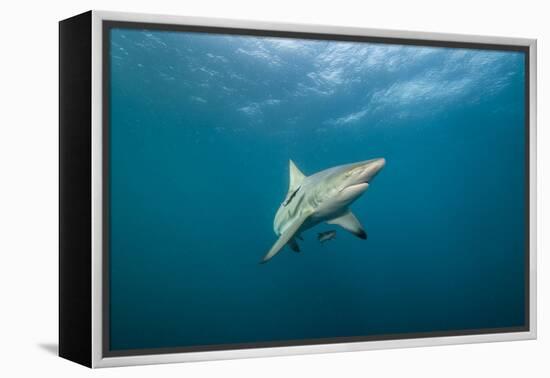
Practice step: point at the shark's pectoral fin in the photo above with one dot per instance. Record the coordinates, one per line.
(293, 244)
(349, 222)
(285, 237)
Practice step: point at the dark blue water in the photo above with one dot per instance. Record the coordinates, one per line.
(202, 128)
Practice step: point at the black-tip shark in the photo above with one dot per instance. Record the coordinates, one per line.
(322, 197)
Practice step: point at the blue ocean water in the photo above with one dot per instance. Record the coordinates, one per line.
(202, 127)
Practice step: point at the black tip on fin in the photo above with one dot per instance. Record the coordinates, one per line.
(294, 246)
(361, 235)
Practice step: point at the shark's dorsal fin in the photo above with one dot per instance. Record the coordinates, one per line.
(296, 177)
(286, 236)
(349, 222)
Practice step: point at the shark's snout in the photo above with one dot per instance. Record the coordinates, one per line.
(357, 178)
(376, 166)
(379, 163)
(370, 169)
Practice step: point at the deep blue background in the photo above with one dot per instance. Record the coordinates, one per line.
(201, 130)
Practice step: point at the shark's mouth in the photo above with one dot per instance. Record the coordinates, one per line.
(359, 186)
(355, 188)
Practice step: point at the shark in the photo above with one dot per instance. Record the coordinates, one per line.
(323, 197)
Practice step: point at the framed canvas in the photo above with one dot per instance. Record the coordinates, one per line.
(242, 189)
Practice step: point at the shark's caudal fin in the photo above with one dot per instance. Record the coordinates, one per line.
(296, 177)
(285, 237)
(349, 222)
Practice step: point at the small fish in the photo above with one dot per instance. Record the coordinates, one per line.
(326, 236)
